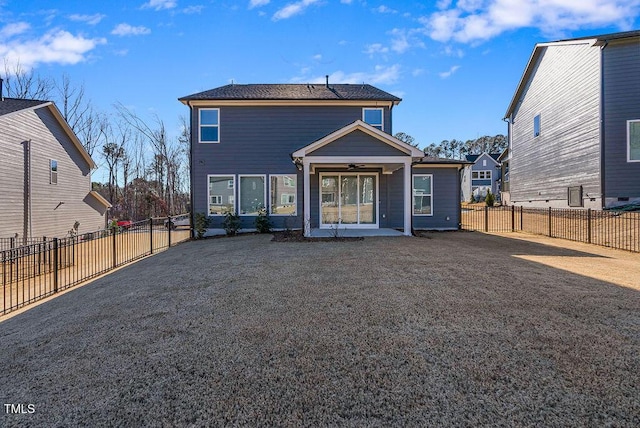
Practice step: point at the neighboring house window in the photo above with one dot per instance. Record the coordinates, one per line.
(422, 192)
(218, 192)
(633, 140)
(374, 117)
(209, 125)
(484, 162)
(53, 171)
(481, 175)
(252, 194)
(283, 189)
(536, 126)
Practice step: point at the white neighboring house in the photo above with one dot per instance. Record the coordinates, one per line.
(46, 180)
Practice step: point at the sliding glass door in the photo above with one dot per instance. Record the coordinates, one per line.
(348, 199)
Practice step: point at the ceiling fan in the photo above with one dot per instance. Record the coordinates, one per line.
(353, 166)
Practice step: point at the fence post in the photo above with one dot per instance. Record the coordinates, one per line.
(115, 232)
(55, 265)
(486, 218)
(549, 222)
(521, 219)
(513, 218)
(169, 230)
(589, 225)
(151, 234)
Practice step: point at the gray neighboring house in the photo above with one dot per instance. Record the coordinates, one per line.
(46, 184)
(314, 156)
(482, 175)
(574, 124)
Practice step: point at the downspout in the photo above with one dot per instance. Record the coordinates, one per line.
(602, 128)
(191, 173)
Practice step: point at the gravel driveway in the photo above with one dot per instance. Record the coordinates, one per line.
(452, 329)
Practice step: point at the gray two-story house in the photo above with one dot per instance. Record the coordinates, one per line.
(574, 124)
(483, 175)
(314, 157)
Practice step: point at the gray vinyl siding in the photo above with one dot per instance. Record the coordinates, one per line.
(446, 200)
(357, 143)
(48, 141)
(621, 89)
(565, 90)
(395, 203)
(259, 140)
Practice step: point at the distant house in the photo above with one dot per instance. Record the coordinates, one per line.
(314, 157)
(481, 176)
(504, 184)
(46, 184)
(574, 124)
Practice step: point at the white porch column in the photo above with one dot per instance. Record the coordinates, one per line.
(408, 197)
(307, 196)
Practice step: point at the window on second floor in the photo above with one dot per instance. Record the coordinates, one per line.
(536, 126)
(481, 175)
(209, 125)
(633, 140)
(374, 117)
(53, 171)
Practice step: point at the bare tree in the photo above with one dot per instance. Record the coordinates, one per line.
(25, 84)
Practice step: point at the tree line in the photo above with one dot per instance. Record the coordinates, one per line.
(458, 149)
(148, 170)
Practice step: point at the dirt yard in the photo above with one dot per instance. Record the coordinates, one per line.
(451, 329)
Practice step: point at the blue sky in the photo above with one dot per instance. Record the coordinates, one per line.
(455, 63)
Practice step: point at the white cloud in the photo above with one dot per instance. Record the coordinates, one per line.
(89, 19)
(160, 4)
(399, 42)
(345, 1)
(293, 9)
(14, 29)
(258, 3)
(55, 47)
(128, 30)
(385, 9)
(447, 74)
(375, 49)
(471, 21)
(192, 9)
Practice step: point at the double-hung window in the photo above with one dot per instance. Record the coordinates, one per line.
(53, 171)
(633, 140)
(422, 194)
(221, 194)
(252, 194)
(282, 190)
(374, 117)
(209, 125)
(481, 175)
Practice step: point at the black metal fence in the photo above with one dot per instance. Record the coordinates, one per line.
(615, 229)
(38, 270)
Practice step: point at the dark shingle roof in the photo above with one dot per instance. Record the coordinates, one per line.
(473, 158)
(608, 37)
(294, 92)
(9, 105)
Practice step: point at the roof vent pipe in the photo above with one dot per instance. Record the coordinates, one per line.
(327, 77)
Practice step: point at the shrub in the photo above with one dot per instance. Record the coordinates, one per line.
(263, 222)
(490, 199)
(201, 224)
(231, 223)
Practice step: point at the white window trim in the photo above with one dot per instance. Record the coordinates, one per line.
(629, 122)
(337, 196)
(381, 116)
(53, 175)
(264, 193)
(209, 194)
(486, 172)
(295, 213)
(200, 125)
(413, 195)
(218, 198)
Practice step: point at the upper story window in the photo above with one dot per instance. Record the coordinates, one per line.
(374, 117)
(53, 171)
(209, 125)
(633, 140)
(481, 175)
(536, 126)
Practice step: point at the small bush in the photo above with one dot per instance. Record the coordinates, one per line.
(231, 223)
(201, 224)
(490, 199)
(263, 222)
